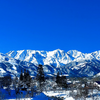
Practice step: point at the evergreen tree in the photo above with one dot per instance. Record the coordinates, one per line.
(25, 76)
(64, 81)
(7, 80)
(40, 75)
(28, 79)
(58, 78)
(21, 76)
(25, 79)
(61, 80)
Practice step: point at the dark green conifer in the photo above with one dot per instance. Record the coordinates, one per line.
(58, 78)
(40, 76)
(21, 76)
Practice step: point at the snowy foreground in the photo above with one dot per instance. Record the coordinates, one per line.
(64, 95)
(41, 96)
(70, 98)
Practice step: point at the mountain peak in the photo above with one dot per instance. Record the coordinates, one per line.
(56, 57)
(72, 62)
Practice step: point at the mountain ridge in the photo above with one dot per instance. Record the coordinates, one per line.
(56, 57)
(72, 63)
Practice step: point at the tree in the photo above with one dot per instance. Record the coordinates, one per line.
(64, 81)
(28, 79)
(40, 76)
(58, 78)
(21, 76)
(7, 80)
(24, 76)
(61, 80)
(25, 80)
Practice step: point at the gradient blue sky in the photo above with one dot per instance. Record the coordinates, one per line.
(49, 25)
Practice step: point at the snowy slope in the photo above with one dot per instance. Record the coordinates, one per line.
(82, 68)
(9, 65)
(13, 66)
(71, 63)
(56, 58)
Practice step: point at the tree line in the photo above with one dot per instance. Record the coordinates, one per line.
(30, 84)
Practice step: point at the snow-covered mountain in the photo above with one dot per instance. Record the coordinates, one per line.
(71, 63)
(9, 65)
(56, 58)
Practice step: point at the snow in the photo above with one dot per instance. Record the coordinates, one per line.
(69, 98)
(19, 52)
(63, 94)
(48, 57)
(2, 71)
(97, 75)
(41, 96)
(47, 94)
(21, 99)
(67, 62)
(59, 55)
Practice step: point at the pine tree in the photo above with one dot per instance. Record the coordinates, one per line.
(21, 76)
(25, 76)
(64, 81)
(61, 80)
(40, 75)
(25, 79)
(58, 78)
(7, 80)
(28, 79)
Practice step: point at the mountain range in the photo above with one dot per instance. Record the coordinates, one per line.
(72, 63)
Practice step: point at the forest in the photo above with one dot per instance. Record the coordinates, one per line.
(57, 87)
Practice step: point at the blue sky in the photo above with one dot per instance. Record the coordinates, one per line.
(49, 25)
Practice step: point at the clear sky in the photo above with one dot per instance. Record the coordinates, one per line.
(49, 25)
